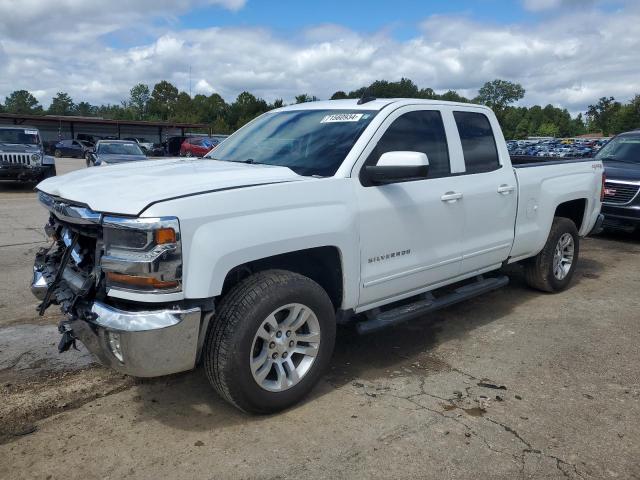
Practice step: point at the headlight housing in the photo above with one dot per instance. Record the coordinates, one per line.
(36, 158)
(142, 254)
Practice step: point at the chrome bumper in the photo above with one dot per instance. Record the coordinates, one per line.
(142, 344)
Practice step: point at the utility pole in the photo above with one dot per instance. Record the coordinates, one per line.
(189, 81)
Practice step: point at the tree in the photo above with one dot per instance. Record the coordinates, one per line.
(277, 103)
(498, 94)
(163, 100)
(139, 97)
(601, 114)
(61, 104)
(22, 102)
(548, 130)
(85, 109)
(304, 98)
(184, 109)
(244, 109)
(339, 95)
(627, 117)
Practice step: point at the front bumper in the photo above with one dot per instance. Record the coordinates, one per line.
(627, 216)
(150, 344)
(139, 343)
(23, 173)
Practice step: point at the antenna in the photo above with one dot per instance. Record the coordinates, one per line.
(366, 98)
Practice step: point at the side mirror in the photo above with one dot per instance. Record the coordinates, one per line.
(395, 167)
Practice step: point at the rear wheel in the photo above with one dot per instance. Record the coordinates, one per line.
(270, 341)
(552, 269)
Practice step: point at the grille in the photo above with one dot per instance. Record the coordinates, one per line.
(16, 158)
(619, 193)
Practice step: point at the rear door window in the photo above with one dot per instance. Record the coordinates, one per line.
(419, 131)
(478, 143)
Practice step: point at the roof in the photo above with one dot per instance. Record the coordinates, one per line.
(377, 104)
(101, 121)
(17, 127)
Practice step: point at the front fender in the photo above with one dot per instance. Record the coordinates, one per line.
(223, 230)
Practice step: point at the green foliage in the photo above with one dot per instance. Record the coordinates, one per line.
(609, 116)
(498, 94)
(304, 98)
(166, 102)
(139, 97)
(62, 104)
(22, 102)
(164, 98)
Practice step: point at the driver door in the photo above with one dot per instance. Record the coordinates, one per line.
(411, 232)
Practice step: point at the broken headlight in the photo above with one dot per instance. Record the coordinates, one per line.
(142, 254)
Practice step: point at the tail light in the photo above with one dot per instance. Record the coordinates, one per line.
(604, 178)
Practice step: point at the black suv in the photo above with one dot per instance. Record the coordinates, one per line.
(621, 159)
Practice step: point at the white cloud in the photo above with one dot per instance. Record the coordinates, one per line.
(571, 59)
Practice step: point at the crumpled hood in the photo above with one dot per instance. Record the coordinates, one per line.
(129, 188)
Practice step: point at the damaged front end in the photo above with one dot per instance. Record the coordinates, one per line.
(89, 256)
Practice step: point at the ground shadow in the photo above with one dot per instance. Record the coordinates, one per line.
(188, 402)
(17, 187)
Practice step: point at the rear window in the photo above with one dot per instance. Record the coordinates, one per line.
(478, 143)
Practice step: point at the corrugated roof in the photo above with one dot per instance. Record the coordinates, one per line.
(100, 121)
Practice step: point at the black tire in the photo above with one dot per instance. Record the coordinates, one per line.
(230, 338)
(539, 270)
(57, 153)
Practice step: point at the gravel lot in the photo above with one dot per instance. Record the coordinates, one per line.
(515, 384)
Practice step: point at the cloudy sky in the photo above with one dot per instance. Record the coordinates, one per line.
(565, 52)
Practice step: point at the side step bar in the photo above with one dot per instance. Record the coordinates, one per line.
(379, 320)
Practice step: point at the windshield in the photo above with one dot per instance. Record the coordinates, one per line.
(309, 142)
(19, 136)
(119, 149)
(624, 148)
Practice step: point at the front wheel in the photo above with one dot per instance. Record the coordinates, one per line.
(57, 153)
(270, 341)
(552, 269)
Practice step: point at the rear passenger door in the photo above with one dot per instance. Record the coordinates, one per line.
(490, 191)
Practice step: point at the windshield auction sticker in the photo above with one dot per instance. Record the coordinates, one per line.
(342, 117)
(30, 132)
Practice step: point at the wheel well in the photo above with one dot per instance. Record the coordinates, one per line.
(321, 264)
(573, 210)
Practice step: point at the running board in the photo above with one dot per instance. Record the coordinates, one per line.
(379, 320)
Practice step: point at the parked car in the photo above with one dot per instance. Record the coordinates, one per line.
(72, 148)
(621, 159)
(109, 152)
(197, 146)
(144, 144)
(22, 155)
(309, 216)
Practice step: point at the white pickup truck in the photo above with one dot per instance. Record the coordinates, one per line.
(310, 215)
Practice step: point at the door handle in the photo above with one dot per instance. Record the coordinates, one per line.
(506, 189)
(451, 197)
